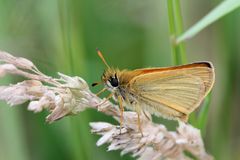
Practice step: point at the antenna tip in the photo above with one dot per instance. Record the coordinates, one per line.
(94, 84)
(97, 49)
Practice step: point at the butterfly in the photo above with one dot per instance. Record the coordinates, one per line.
(171, 92)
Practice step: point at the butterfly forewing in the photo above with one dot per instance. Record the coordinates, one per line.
(174, 92)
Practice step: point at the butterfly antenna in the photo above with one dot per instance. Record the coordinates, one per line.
(101, 56)
(95, 84)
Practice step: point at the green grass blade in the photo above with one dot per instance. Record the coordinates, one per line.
(193, 120)
(203, 114)
(179, 31)
(175, 29)
(221, 10)
(172, 30)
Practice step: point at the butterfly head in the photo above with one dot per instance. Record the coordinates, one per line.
(110, 79)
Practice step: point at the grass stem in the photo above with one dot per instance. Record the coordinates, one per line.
(175, 29)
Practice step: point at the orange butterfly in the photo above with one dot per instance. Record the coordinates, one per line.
(171, 92)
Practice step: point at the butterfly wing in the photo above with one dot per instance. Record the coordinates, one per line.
(173, 92)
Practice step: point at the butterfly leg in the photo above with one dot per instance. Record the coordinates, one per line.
(100, 92)
(108, 97)
(147, 116)
(139, 124)
(121, 112)
(138, 110)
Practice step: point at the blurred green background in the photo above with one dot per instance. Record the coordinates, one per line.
(61, 36)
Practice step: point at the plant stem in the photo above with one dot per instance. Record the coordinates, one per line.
(175, 29)
(179, 30)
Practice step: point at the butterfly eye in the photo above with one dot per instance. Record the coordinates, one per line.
(114, 81)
